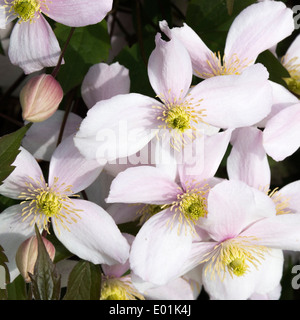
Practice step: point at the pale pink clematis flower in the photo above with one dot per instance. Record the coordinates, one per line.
(176, 207)
(83, 227)
(244, 254)
(33, 33)
(123, 125)
(257, 28)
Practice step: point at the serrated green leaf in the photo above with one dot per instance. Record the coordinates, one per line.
(45, 280)
(84, 282)
(89, 45)
(9, 149)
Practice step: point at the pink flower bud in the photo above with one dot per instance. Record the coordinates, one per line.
(40, 98)
(27, 253)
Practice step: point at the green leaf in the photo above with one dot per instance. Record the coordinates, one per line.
(45, 280)
(89, 45)
(276, 70)
(17, 289)
(84, 282)
(9, 149)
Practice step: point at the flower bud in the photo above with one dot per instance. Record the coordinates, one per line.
(27, 253)
(40, 98)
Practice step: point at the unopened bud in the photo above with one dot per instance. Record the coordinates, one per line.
(27, 253)
(40, 98)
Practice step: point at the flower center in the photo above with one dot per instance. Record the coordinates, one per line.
(43, 203)
(25, 9)
(179, 117)
(234, 256)
(220, 66)
(118, 289)
(293, 68)
(190, 206)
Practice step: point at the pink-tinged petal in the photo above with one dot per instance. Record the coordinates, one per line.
(118, 270)
(282, 98)
(278, 232)
(200, 54)
(159, 249)
(94, 237)
(42, 137)
(167, 61)
(27, 171)
(289, 197)
(281, 136)
(143, 184)
(124, 212)
(200, 160)
(117, 127)
(263, 278)
(272, 295)
(33, 46)
(232, 206)
(104, 81)
(258, 28)
(228, 101)
(71, 168)
(247, 160)
(79, 13)
(13, 231)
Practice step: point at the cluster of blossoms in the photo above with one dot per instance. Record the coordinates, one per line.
(153, 161)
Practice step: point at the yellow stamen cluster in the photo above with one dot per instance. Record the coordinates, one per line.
(25, 10)
(220, 66)
(293, 68)
(179, 117)
(190, 206)
(118, 289)
(281, 202)
(234, 256)
(42, 203)
(148, 211)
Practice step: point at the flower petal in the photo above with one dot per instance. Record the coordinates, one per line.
(247, 160)
(232, 206)
(117, 127)
(33, 46)
(42, 137)
(278, 232)
(104, 81)
(94, 237)
(167, 61)
(27, 170)
(281, 136)
(143, 184)
(13, 231)
(258, 28)
(159, 250)
(71, 168)
(200, 54)
(228, 101)
(79, 13)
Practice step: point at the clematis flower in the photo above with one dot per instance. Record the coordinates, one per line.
(33, 33)
(175, 207)
(83, 227)
(257, 28)
(123, 125)
(244, 254)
